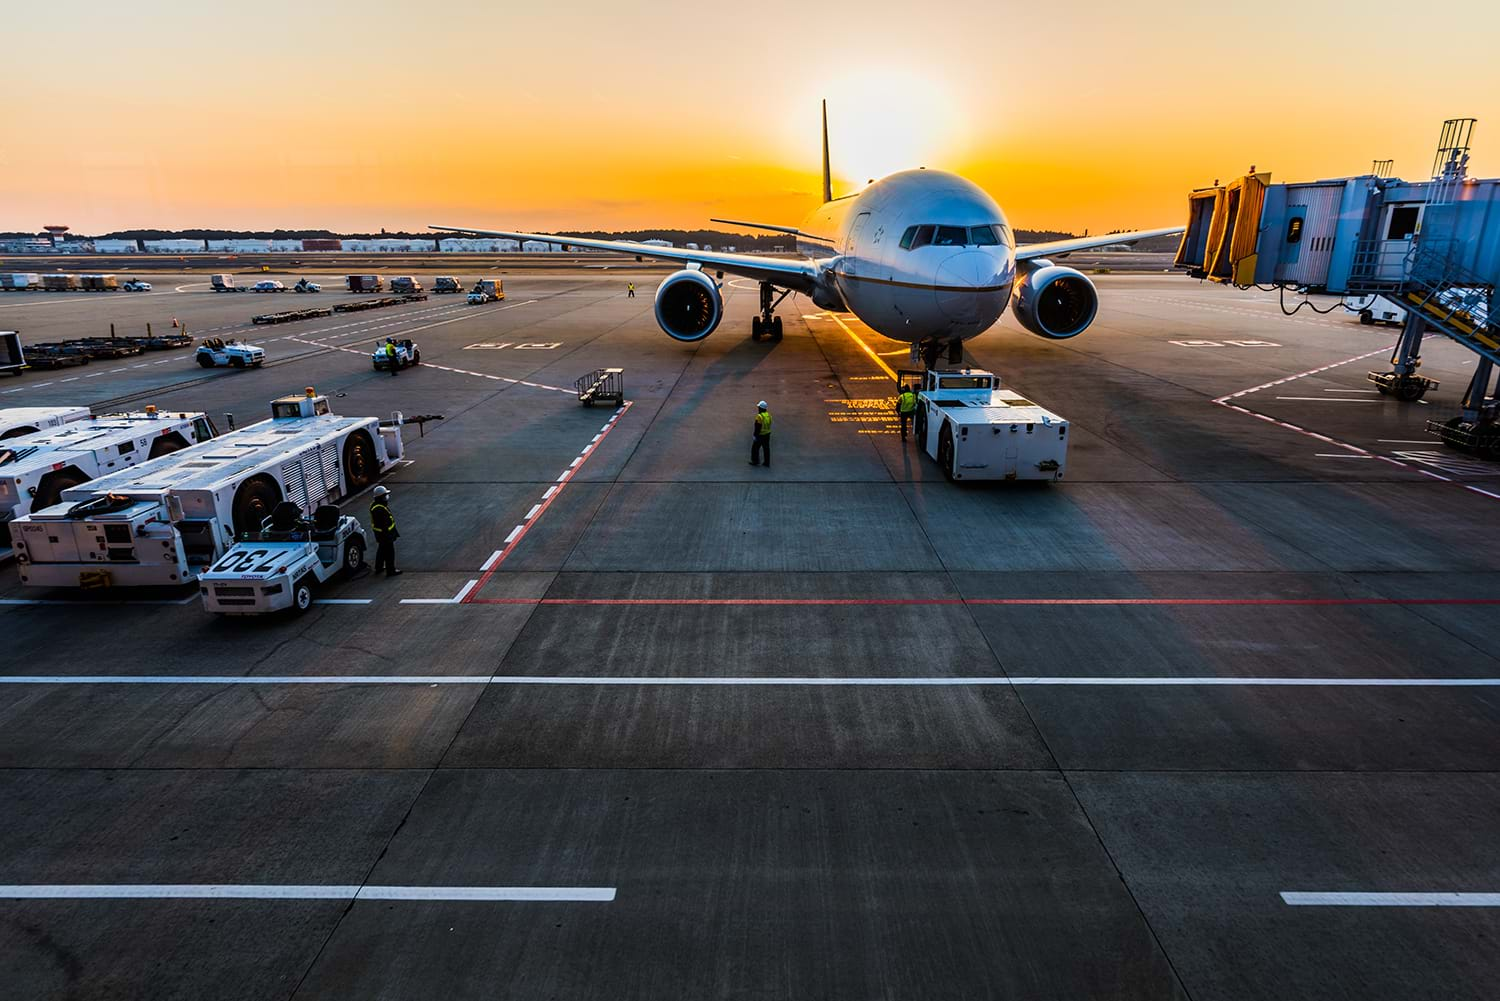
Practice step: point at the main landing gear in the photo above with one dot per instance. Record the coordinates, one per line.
(930, 350)
(768, 324)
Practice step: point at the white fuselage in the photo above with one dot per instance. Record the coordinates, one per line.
(919, 254)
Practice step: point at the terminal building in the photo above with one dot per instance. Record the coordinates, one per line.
(1430, 248)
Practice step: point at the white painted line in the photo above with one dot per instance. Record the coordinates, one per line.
(426, 601)
(1340, 455)
(89, 604)
(491, 561)
(1299, 898)
(550, 491)
(629, 680)
(1325, 399)
(19, 388)
(513, 533)
(575, 462)
(597, 437)
(564, 475)
(464, 591)
(293, 891)
(532, 513)
(1406, 441)
(342, 601)
(1478, 490)
(1372, 392)
(72, 379)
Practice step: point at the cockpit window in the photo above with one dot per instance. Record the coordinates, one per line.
(992, 235)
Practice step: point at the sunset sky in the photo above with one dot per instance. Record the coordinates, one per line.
(357, 116)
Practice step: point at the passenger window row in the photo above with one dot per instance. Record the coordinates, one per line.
(956, 236)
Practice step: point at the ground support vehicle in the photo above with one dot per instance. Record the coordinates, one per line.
(978, 431)
(269, 285)
(477, 298)
(364, 283)
(12, 357)
(16, 421)
(364, 304)
(303, 285)
(36, 468)
(61, 283)
(407, 355)
(217, 352)
(98, 348)
(100, 283)
(492, 287)
(170, 519)
(277, 567)
(446, 283)
(1375, 309)
(17, 281)
(288, 315)
(163, 342)
(224, 283)
(405, 284)
(136, 285)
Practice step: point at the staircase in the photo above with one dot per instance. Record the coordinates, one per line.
(1453, 302)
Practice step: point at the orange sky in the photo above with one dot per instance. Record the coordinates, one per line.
(588, 115)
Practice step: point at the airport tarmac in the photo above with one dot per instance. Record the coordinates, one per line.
(1214, 718)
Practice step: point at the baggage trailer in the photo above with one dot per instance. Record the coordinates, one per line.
(36, 468)
(169, 519)
(978, 431)
(60, 283)
(12, 358)
(18, 281)
(364, 283)
(17, 421)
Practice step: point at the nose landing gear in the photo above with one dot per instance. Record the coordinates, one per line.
(930, 350)
(768, 324)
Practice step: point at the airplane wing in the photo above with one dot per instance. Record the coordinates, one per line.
(796, 274)
(1057, 248)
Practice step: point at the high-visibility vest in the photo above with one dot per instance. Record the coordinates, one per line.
(390, 351)
(763, 422)
(381, 519)
(906, 402)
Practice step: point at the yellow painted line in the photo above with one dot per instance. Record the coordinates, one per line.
(867, 349)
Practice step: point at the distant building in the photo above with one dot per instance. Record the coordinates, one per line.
(656, 243)
(392, 245)
(173, 246)
(478, 245)
(542, 247)
(116, 247)
(286, 246)
(239, 246)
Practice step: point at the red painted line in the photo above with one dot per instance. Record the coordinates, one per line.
(985, 601)
(559, 486)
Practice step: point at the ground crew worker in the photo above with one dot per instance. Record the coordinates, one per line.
(630, 290)
(762, 440)
(906, 405)
(383, 523)
(390, 355)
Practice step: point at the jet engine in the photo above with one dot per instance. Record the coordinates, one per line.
(1056, 302)
(688, 305)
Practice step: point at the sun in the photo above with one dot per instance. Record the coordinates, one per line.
(883, 121)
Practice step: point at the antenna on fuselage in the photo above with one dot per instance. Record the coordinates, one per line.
(827, 177)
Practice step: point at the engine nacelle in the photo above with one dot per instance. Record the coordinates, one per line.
(1056, 302)
(688, 305)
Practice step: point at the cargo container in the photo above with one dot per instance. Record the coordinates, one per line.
(12, 358)
(405, 283)
(20, 282)
(99, 283)
(224, 283)
(446, 284)
(364, 283)
(492, 287)
(60, 283)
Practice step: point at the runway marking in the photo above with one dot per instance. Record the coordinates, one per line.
(457, 599)
(1340, 455)
(294, 891)
(1111, 602)
(793, 681)
(863, 346)
(1326, 399)
(491, 561)
(342, 601)
(1304, 898)
(89, 604)
(519, 532)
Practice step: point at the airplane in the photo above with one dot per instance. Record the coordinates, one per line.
(922, 256)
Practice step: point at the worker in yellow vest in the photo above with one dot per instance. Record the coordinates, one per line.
(762, 440)
(906, 405)
(390, 356)
(630, 290)
(383, 523)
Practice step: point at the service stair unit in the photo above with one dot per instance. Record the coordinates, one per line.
(167, 520)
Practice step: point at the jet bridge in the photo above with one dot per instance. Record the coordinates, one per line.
(1432, 246)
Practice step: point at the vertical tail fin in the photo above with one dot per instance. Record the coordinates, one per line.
(827, 177)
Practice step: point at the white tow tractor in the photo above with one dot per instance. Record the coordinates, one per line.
(978, 431)
(303, 285)
(278, 566)
(136, 285)
(407, 355)
(215, 352)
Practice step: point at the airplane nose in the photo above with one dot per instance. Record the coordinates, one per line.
(969, 282)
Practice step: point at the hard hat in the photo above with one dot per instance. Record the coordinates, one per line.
(381, 491)
(761, 404)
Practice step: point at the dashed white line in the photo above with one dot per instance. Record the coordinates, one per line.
(532, 513)
(1303, 898)
(494, 558)
(512, 536)
(300, 891)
